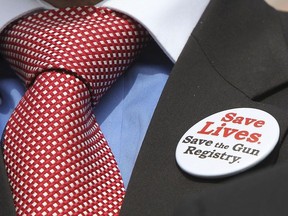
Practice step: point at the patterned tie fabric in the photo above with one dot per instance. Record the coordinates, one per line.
(58, 161)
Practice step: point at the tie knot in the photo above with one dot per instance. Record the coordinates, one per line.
(95, 44)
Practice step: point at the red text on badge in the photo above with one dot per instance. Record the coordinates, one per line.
(222, 130)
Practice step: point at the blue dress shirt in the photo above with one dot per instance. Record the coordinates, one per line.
(124, 112)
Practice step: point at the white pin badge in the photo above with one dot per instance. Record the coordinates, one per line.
(227, 142)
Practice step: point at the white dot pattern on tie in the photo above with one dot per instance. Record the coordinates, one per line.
(63, 163)
(95, 43)
(57, 159)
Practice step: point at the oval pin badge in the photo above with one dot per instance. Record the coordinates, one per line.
(227, 142)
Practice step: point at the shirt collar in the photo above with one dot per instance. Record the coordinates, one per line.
(169, 22)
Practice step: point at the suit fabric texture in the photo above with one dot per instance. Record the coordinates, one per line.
(235, 57)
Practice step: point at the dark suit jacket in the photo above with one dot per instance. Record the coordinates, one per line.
(236, 57)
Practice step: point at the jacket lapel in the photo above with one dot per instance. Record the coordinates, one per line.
(236, 55)
(6, 201)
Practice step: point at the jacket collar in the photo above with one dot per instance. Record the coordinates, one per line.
(246, 45)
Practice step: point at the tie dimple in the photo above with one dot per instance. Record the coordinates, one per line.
(57, 159)
(93, 43)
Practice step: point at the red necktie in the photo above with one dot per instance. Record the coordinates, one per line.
(57, 159)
